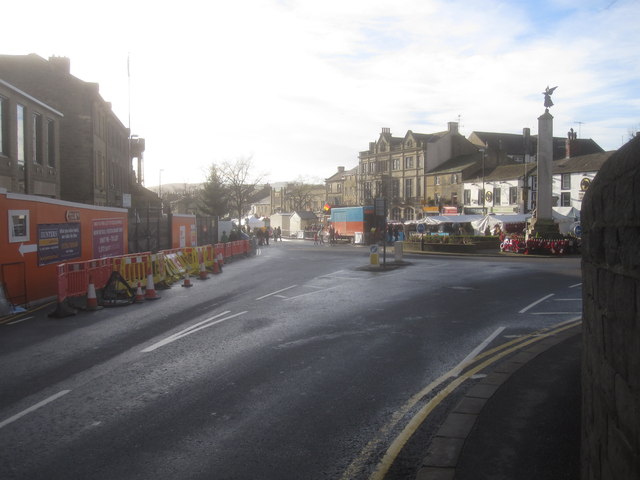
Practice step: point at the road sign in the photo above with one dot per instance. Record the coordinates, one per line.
(420, 228)
(373, 249)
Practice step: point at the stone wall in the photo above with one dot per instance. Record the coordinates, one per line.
(611, 319)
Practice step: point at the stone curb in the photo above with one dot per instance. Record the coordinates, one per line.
(444, 451)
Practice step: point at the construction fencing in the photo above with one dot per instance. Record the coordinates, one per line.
(119, 279)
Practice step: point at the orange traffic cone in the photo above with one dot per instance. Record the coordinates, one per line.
(150, 291)
(187, 280)
(139, 296)
(203, 272)
(92, 300)
(216, 268)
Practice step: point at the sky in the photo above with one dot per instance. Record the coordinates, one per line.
(302, 86)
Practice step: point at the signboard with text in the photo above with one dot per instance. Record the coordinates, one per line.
(108, 237)
(58, 242)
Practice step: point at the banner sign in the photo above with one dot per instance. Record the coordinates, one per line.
(58, 242)
(108, 237)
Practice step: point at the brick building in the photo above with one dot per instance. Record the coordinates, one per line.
(95, 163)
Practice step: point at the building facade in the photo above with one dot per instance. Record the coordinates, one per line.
(342, 188)
(395, 167)
(95, 163)
(29, 146)
(573, 176)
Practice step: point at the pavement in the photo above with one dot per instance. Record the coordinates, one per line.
(521, 421)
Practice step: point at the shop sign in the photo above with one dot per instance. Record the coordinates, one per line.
(72, 216)
(58, 242)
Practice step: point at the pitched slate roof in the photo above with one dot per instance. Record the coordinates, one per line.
(457, 164)
(583, 163)
(510, 172)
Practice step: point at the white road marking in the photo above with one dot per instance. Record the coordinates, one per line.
(192, 329)
(555, 313)
(276, 292)
(33, 408)
(536, 303)
(18, 321)
(567, 299)
(456, 371)
(576, 285)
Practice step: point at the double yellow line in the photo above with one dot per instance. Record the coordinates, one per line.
(13, 318)
(414, 423)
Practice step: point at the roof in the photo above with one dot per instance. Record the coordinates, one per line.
(456, 164)
(583, 163)
(510, 172)
(513, 144)
(306, 215)
(340, 175)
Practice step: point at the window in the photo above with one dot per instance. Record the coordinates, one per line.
(497, 194)
(408, 213)
(565, 199)
(513, 195)
(437, 180)
(36, 139)
(408, 162)
(395, 164)
(367, 190)
(454, 198)
(437, 198)
(20, 134)
(18, 226)
(339, 187)
(454, 178)
(467, 196)
(395, 214)
(481, 196)
(419, 161)
(51, 143)
(408, 184)
(566, 181)
(4, 126)
(418, 187)
(395, 188)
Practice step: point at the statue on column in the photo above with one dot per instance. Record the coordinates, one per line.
(547, 96)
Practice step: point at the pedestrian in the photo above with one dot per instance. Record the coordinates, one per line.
(224, 238)
(315, 238)
(266, 236)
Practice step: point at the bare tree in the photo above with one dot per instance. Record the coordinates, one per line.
(299, 196)
(239, 183)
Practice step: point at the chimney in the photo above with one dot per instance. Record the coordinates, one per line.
(452, 127)
(60, 64)
(340, 169)
(570, 144)
(372, 146)
(386, 130)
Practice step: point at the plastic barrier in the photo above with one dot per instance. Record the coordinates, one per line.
(133, 268)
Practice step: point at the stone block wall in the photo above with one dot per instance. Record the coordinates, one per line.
(611, 319)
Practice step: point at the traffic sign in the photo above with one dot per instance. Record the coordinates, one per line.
(421, 228)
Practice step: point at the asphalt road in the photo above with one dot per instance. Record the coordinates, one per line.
(294, 364)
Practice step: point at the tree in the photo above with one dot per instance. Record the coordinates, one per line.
(238, 183)
(214, 195)
(299, 196)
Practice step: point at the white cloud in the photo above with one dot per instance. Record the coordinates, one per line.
(303, 85)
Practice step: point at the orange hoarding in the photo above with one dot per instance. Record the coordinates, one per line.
(38, 233)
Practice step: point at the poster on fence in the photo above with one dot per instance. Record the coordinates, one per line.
(108, 237)
(58, 242)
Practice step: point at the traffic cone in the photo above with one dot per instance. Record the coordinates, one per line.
(203, 272)
(216, 268)
(139, 296)
(187, 280)
(92, 299)
(150, 291)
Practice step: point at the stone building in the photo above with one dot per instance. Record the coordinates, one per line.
(95, 164)
(395, 168)
(29, 146)
(342, 188)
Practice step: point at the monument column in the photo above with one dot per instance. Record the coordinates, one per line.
(545, 175)
(542, 221)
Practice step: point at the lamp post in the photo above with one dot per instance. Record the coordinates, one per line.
(160, 186)
(483, 192)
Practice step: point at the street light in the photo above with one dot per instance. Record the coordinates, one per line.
(483, 192)
(160, 185)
